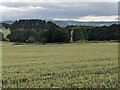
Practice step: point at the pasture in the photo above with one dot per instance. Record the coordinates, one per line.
(5, 31)
(80, 65)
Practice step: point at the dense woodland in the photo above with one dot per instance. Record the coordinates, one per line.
(35, 30)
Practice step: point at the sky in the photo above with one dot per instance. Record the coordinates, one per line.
(77, 10)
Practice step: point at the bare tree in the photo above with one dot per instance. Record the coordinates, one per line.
(71, 35)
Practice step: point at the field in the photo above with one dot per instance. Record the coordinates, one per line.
(83, 65)
(5, 31)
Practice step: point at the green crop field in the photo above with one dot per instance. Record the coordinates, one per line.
(83, 65)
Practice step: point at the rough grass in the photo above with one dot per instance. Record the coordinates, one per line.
(86, 65)
(5, 31)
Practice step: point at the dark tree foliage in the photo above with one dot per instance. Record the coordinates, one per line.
(80, 33)
(40, 30)
(95, 33)
(36, 30)
(104, 33)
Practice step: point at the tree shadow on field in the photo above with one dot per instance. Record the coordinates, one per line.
(18, 43)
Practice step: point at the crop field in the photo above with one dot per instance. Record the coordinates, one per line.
(80, 65)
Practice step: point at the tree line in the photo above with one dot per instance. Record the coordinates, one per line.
(36, 30)
(96, 33)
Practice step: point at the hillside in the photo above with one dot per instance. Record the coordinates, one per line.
(70, 22)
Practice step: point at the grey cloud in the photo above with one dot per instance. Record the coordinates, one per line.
(71, 10)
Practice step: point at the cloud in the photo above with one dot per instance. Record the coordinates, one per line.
(61, 1)
(59, 10)
(98, 18)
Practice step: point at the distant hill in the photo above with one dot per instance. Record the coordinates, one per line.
(7, 22)
(70, 22)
